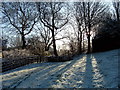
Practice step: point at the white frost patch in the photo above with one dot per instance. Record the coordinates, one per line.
(97, 70)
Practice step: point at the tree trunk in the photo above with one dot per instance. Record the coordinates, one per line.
(117, 10)
(117, 13)
(89, 44)
(89, 28)
(53, 35)
(83, 43)
(80, 44)
(46, 48)
(88, 36)
(54, 44)
(23, 41)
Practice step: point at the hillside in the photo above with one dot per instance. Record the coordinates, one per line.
(97, 70)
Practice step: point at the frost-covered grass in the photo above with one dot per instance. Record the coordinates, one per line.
(97, 70)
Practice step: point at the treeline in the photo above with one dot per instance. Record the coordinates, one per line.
(38, 25)
(108, 34)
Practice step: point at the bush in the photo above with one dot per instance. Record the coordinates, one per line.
(108, 37)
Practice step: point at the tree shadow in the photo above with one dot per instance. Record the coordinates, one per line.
(17, 77)
(88, 73)
(93, 77)
(47, 75)
(72, 76)
(51, 79)
(84, 72)
(97, 75)
(105, 69)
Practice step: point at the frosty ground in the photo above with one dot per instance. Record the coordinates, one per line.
(96, 70)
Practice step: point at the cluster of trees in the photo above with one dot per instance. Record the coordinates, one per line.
(23, 16)
(45, 20)
(88, 15)
(108, 34)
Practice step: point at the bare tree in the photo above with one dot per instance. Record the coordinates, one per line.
(93, 13)
(22, 16)
(44, 34)
(51, 15)
(79, 15)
